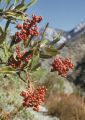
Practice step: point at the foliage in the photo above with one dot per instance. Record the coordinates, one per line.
(10, 99)
(22, 57)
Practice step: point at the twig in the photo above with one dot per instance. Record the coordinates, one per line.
(18, 73)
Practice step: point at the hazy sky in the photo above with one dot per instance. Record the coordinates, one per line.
(63, 14)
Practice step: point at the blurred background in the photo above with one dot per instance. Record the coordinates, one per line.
(66, 93)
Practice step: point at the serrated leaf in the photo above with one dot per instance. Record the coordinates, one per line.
(27, 6)
(7, 70)
(16, 1)
(45, 56)
(51, 51)
(34, 61)
(7, 2)
(2, 37)
(43, 43)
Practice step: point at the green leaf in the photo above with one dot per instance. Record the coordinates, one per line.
(2, 37)
(34, 61)
(15, 54)
(7, 2)
(29, 62)
(27, 6)
(36, 44)
(39, 71)
(28, 41)
(58, 35)
(7, 70)
(1, 1)
(43, 35)
(18, 17)
(7, 53)
(16, 1)
(20, 5)
(51, 51)
(15, 15)
(32, 43)
(43, 43)
(7, 24)
(56, 39)
(1, 29)
(45, 56)
(36, 66)
(13, 41)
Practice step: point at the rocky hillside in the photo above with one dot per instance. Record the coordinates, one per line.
(75, 48)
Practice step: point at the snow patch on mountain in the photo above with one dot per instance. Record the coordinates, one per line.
(51, 33)
(65, 37)
(79, 27)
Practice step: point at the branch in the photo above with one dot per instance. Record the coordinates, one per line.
(18, 73)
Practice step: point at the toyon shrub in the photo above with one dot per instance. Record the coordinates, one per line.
(24, 54)
(62, 65)
(4, 116)
(29, 29)
(34, 98)
(18, 62)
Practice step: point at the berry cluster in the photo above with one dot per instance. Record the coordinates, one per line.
(18, 62)
(62, 66)
(4, 116)
(35, 98)
(28, 30)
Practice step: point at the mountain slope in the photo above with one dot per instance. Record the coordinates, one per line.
(75, 48)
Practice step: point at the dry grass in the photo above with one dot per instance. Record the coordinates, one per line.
(66, 107)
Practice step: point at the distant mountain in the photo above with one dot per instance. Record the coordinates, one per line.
(51, 33)
(66, 35)
(77, 31)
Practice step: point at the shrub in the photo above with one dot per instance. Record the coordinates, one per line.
(66, 107)
(24, 54)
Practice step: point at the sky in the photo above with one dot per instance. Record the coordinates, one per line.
(61, 14)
